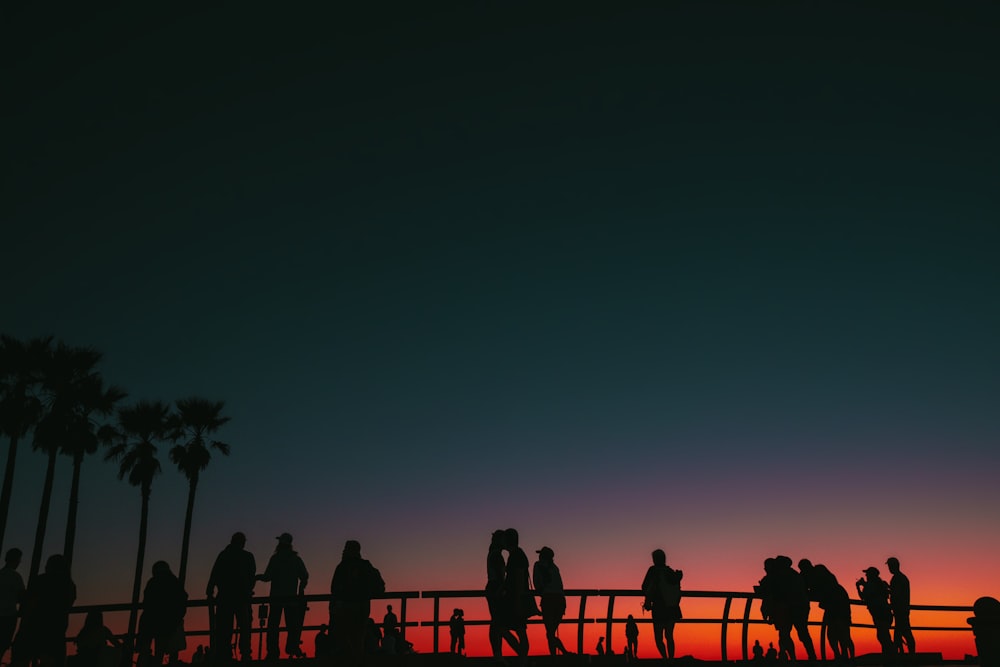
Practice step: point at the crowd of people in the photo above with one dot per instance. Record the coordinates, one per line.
(785, 593)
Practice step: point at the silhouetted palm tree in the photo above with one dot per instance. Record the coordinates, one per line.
(64, 368)
(140, 428)
(20, 408)
(89, 399)
(196, 418)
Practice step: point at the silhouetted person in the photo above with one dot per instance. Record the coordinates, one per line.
(389, 621)
(93, 641)
(233, 575)
(785, 603)
(394, 644)
(164, 605)
(661, 589)
(519, 602)
(354, 583)
(758, 650)
(874, 592)
(45, 616)
(772, 653)
(600, 646)
(456, 627)
(899, 602)
(11, 594)
(631, 638)
(198, 657)
(321, 644)
(496, 569)
(288, 576)
(985, 624)
(835, 602)
(549, 586)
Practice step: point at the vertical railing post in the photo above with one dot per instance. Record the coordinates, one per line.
(610, 622)
(746, 628)
(402, 617)
(579, 626)
(437, 620)
(725, 625)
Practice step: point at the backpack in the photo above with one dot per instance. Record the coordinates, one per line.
(374, 584)
(663, 588)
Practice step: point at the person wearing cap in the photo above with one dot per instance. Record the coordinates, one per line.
(288, 576)
(899, 601)
(549, 586)
(233, 576)
(11, 594)
(874, 592)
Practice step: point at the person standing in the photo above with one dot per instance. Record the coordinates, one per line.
(355, 581)
(164, 604)
(661, 589)
(41, 639)
(874, 592)
(288, 576)
(899, 602)
(549, 586)
(496, 568)
(233, 576)
(631, 638)
(390, 622)
(11, 594)
(833, 599)
(456, 627)
(519, 603)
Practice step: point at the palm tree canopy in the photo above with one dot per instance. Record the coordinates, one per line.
(195, 419)
(73, 389)
(140, 427)
(21, 367)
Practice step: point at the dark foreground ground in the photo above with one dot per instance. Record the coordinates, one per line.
(449, 660)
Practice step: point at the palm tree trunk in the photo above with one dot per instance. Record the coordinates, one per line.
(74, 501)
(188, 515)
(8, 485)
(133, 617)
(43, 517)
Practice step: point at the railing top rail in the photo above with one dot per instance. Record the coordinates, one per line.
(470, 593)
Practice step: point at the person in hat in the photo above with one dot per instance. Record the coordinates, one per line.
(874, 592)
(549, 585)
(288, 576)
(899, 602)
(233, 576)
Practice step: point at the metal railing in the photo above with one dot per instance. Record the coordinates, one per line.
(439, 622)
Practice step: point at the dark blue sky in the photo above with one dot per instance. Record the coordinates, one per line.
(448, 267)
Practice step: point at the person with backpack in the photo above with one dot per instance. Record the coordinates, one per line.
(549, 586)
(661, 590)
(355, 582)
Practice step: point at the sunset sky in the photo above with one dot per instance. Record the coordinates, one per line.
(702, 276)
